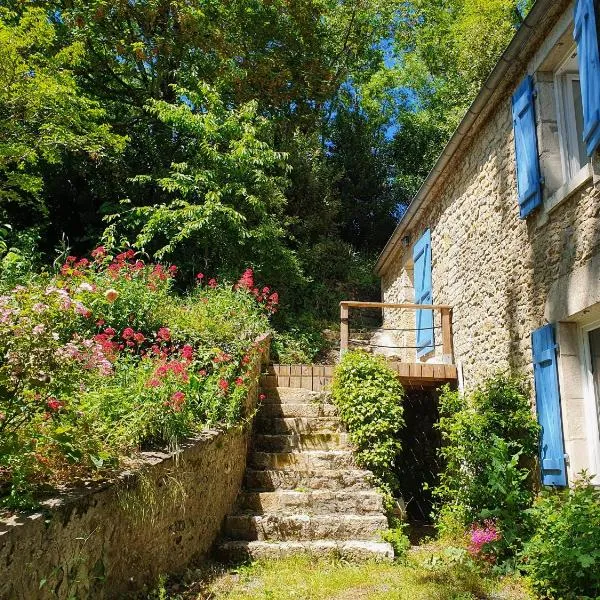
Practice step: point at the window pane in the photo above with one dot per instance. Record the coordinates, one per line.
(581, 151)
(594, 337)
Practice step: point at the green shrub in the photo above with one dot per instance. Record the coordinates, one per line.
(297, 345)
(369, 397)
(562, 559)
(489, 447)
(397, 538)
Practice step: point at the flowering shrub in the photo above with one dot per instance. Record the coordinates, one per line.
(103, 359)
(489, 445)
(481, 537)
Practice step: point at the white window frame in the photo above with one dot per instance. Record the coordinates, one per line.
(591, 403)
(567, 131)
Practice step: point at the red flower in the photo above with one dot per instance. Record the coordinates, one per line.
(212, 283)
(139, 337)
(187, 352)
(239, 381)
(177, 400)
(246, 281)
(224, 385)
(200, 276)
(128, 333)
(54, 404)
(262, 397)
(99, 252)
(202, 372)
(154, 383)
(100, 322)
(110, 332)
(172, 269)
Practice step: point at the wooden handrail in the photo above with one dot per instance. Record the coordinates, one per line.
(445, 312)
(358, 304)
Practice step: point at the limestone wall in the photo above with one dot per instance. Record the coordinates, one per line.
(497, 271)
(118, 538)
(504, 276)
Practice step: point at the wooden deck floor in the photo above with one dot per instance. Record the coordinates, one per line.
(318, 377)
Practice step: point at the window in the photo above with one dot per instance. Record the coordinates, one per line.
(591, 344)
(570, 117)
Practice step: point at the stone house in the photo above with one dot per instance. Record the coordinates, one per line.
(506, 231)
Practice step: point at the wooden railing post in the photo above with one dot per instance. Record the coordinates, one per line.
(447, 333)
(344, 329)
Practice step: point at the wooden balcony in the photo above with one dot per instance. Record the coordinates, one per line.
(433, 370)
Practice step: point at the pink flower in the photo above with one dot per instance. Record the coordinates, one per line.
(200, 276)
(224, 385)
(38, 329)
(202, 372)
(139, 337)
(212, 283)
(111, 295)
(481, 536)
(187, 352)
(110, 332)
(153, 383)
(262, 397)
(239, 381)
(164, 334)
(39, 307)
(80, 309)
(86, 287)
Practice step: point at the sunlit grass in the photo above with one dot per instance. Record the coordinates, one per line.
(302, 578)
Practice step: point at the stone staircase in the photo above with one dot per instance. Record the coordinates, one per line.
(303, 492)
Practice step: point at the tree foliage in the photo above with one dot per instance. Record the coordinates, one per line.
(287, 136)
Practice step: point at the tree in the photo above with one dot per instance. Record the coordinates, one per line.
(43, 113)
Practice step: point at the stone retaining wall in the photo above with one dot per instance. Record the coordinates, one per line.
(118, 538)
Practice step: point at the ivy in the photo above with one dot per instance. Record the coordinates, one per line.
(369, 397)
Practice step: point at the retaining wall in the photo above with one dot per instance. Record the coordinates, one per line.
(117, 538)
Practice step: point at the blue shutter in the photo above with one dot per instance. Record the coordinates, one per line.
(547, 399)
(423, 295)
(586, 36)
(529, 181)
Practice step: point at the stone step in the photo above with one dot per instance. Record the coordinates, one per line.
(305, 409)
(351, 550)
(314, 502)
(283, 425)
(338, 479)
(287, 395)
(276, 527)
(309, 460)
(301, 442)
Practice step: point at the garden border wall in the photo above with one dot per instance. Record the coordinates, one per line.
(119, 537)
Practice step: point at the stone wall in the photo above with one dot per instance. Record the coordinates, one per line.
(504, 276)
(118, 538)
